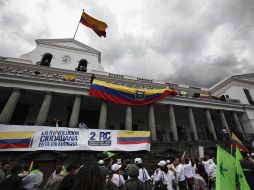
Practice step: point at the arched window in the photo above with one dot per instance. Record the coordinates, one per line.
(82, 66)
(46, 59)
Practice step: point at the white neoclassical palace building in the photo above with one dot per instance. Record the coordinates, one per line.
(52, 82)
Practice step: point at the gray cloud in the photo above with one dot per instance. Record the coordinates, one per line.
(191, 42)
(183, 38)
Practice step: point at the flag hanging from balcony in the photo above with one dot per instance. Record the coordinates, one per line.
(98, 27)
(127, 95)
(237, 143)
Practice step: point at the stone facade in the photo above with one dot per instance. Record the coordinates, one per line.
(33, 94)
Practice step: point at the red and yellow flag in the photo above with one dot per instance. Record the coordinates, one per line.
(98, 27)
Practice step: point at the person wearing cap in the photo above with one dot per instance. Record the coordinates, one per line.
(116, 177)
(133, 183)
(143, 174)
(155, 173)
(104, 170)
(180, 177)
(164, 175)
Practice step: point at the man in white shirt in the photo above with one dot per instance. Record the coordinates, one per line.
(206, 164)
(212, 174)
(188, 172)
(180, 177)
(143, 174)
(33, 180)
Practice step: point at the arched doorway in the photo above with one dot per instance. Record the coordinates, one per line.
(82, 66)
(46, 59)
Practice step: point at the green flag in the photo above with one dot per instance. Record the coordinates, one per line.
(239, 171)
(109, 154)
(225, 170)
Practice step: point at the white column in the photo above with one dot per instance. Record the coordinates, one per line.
(172, 122)
(44, 110)
(152, 124)
(224, 121)
(238, 125)
(193, 126)
(75, 112)
(6, 114)
(210, 124)
(128, 118)
(103, 116)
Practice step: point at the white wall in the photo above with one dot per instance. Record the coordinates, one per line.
(56, 62)
(236, 92)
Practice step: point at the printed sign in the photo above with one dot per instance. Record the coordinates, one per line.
(32, 138)
(201, 151)
(99, 138)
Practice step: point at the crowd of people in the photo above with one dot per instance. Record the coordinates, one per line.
(109, 174)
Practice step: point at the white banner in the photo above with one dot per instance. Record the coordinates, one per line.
(201, 152)
(32, 138)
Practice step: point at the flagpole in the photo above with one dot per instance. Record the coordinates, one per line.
(77, 26)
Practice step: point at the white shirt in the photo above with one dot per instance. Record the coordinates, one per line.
(188, 170)
(143, 175)
(193, 169)
(206, 166)
(167, 178)
(180, 173)
(117, 179)
(32, 181)
(155, 174)
(212, 170)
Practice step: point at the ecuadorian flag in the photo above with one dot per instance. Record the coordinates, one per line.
(133, 137)
(237, 143)
(127, 95)
(16, 139)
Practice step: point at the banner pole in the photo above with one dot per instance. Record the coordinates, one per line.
(77, 26)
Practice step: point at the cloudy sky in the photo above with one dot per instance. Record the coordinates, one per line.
(197, 42)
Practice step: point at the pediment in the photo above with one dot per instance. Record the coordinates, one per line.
(246, 77)
(68, 43)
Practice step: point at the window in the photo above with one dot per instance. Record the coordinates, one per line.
(82, 66)
(46, 59)
(247, 93)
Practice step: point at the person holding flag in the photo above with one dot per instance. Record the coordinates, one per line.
(244, 170)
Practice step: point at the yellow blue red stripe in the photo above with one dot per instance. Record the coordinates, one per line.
(126, 95)
(16, 139)
(133, 137)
